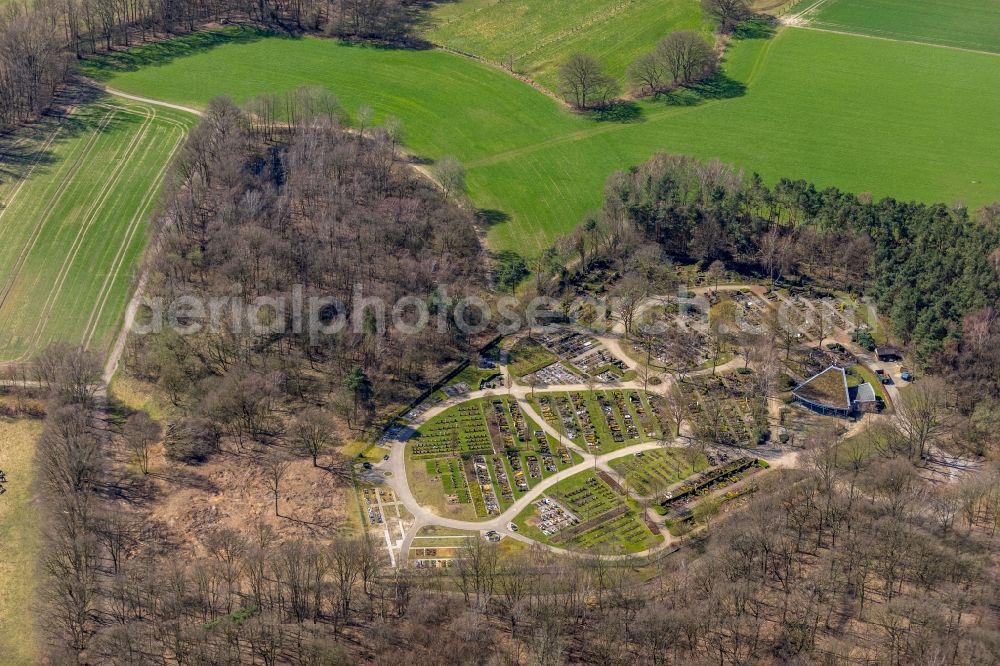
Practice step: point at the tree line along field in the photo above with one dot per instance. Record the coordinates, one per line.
(893, 119)
(966, 24)
(74, 224)
(548, 32)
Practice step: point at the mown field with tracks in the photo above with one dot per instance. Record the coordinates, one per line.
(76, 205)
(967, 24)
(546, 33)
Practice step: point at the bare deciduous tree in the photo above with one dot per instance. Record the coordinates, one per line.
(628, 296)
(686, 57)
(275, 468)
(922, 413)
(313, 432)
(727, 12)
(648, 74)
(585, 83)
(141, 432)
(450, 174)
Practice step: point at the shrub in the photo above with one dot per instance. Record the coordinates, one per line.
(511, 269)
(863, 338)
(192, 440)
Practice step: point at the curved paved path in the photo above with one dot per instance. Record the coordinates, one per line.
(423, 517)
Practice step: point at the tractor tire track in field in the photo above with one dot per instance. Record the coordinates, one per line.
(585, 24)
(583, 134)
(802, 18)
(818, 27)
(85, 226)
(47, 210)
(4, 205)
(106, 289)
(118, 348)
(98, 310)
(134, 223)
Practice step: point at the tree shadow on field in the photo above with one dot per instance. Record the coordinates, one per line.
(103, 67)
(619, 112)
(759, 27)
(719, 86)
(489, 217)
(424, 19)
(406, 43)
(30, 149)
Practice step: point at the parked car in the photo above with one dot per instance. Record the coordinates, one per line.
(905, 375)
(513, 527)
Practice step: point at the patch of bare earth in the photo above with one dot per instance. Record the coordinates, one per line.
(185, 503)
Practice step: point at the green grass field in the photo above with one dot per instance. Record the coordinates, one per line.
(657, 470)
(614, 524)
(20, 540)
(541, 34)
(967, 24)
(906, 120)
(602, 440)
(438, 457)
(74, 224)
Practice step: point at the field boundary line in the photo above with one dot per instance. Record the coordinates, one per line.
(150, 100)
(159, 119)
(49, 206)
(98, 309)
(109, 280)
(587, 23)
(87, 223)
(893, 39)
(118, 347)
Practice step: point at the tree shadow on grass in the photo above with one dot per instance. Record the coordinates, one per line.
(619, 112)
(103, 67)
(422, 160)
(759, 27)
(407, 43)
(488, 217)
(31, 147)
(719, 86)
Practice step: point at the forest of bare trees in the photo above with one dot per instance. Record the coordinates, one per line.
(32, 66)
(853, 557)
(38, 40)
(321, 216)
